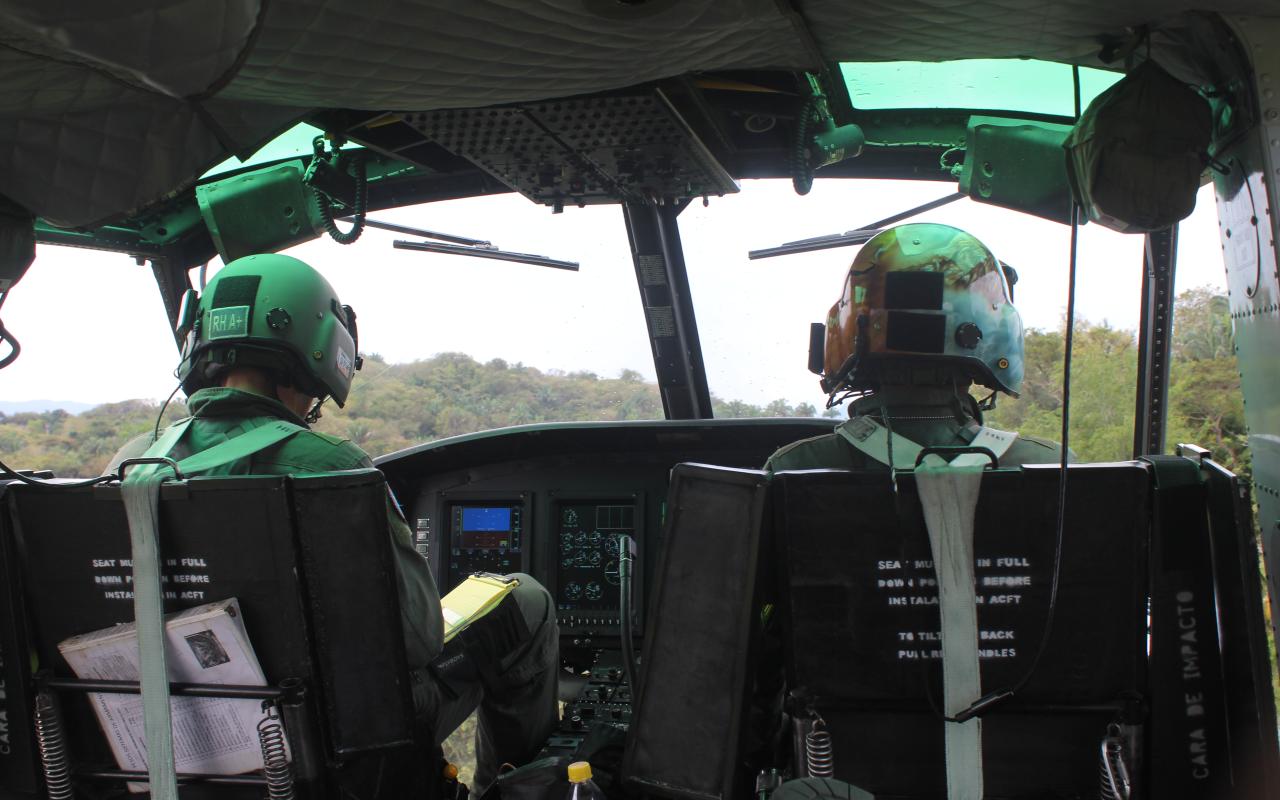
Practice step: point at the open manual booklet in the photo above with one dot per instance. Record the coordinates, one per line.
(207, 644)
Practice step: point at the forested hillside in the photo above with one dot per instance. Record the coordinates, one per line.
(393, 406)
(1205, 406)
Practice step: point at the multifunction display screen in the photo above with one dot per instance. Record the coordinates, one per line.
(484, 538)
(488, 528)
(587, 570)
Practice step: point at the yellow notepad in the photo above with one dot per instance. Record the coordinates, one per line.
(472, 599)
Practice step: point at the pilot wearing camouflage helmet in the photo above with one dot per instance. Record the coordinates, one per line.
(269, 341)
(926, 313)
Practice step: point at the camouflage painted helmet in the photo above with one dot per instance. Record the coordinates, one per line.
(928, 293)
(272, 312)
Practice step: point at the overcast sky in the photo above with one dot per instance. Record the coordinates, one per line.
(93, 328)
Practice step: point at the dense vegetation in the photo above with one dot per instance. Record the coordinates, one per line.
(393, 406)
(1205, 406)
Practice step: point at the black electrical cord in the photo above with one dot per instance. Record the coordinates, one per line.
(155, 434)
(1061, 480)
(9, 472)
(14, 348)
(5, 336)
(985, 702)
(625, 559)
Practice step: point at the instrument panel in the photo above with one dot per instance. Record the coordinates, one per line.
(554, 500)
(589, 536)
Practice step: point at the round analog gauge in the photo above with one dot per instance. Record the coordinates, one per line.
(573, 590)
(568, 560)
(611, 573)
(594, 557)
(596, 536)
(566, 541)
(594, 591)
(581, 540)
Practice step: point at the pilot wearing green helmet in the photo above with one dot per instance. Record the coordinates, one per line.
(926, 313)
(268, 340)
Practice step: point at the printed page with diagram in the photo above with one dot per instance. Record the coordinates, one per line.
(207, 644)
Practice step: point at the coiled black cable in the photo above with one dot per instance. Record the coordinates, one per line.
(325, 208)
(801, 169)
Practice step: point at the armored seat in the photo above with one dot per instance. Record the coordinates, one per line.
(1155, 642)
(308, 560)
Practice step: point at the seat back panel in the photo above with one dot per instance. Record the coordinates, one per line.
(860, 601)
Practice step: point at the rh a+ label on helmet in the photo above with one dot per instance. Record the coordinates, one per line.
(227, 322)
(344, 363)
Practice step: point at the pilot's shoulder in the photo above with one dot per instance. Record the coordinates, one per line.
(1035, 450)
(321, 450)
(811, 453)
(133, 448)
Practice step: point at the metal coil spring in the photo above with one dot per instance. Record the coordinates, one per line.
(1113, 775)
(819, 753)
(53, 748)
(275, 755)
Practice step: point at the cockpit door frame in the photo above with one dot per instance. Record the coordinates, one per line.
(1159, 262)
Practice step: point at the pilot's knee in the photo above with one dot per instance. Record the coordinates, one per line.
(535, 604)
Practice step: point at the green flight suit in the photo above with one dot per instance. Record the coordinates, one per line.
(924, 414)
(518, 707)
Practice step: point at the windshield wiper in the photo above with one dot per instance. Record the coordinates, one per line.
(485, 250)
(856, 236)
(424, 233)
(464, 246)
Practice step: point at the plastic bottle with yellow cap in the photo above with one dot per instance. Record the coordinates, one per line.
(581, 787)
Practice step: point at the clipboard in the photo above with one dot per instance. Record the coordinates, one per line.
(472, 599)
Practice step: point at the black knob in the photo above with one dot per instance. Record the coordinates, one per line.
(278, 319)
(968, 335)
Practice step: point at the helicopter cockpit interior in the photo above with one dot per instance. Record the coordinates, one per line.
(724, 631)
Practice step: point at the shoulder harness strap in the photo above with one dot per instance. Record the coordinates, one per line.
(141, 493)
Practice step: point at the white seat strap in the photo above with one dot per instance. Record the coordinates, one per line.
(949, 495)
(141, 492)
(873, 439)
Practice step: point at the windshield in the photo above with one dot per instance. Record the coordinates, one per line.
(458, 344)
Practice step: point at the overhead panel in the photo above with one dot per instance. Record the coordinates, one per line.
(582, 151)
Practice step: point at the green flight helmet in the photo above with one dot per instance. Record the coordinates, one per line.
(272, 312)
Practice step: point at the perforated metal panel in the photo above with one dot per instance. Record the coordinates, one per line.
(580, 151)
